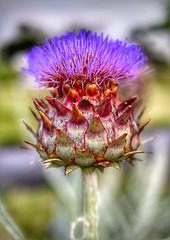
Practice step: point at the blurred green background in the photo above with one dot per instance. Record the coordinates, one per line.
(39, 206)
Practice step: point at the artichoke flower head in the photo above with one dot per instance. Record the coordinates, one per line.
(83, 123)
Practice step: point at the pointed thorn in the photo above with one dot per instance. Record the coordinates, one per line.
(133, 152)
(42, 104)
(48, 161)
(34, 114)
(148, 140)
(115, 165)
(143, 126)
(29, 128)
(70, 168)
(43, 116)
(46, 121)
(126, 103)
(33, 145)
(61, 108)
(96, 126)
(102, 164)
(37, 106)
(105, 108)
(141, 114)
(54, 160)
(125, 116)
(77, 116)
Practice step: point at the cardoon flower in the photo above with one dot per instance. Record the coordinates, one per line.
(84, 124)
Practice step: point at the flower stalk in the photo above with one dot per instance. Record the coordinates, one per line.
(91, 205)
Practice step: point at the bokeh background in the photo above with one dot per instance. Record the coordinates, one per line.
(135, 201)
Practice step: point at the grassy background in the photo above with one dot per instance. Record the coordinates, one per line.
(32, 209)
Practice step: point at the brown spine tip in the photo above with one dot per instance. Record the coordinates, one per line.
(73, 95)
(141, 127)
(42, 105)
(77, 116)
(46, 121)
(66, 87)
(92, 90)
(29, 128)
(37, 105)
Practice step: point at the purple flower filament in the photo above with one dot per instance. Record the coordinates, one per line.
(86, 57)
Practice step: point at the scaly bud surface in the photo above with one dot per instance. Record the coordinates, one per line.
(84, 124)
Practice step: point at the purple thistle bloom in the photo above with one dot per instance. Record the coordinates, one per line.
(85, 124)
(84, 56)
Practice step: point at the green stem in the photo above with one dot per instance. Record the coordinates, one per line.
(90, 196)
(9, 224)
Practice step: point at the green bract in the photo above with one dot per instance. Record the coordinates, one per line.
(93, 131)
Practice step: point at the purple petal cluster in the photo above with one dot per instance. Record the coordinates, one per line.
(84, 56)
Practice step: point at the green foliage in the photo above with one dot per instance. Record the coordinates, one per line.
(32, 209)
(157, 107)
(8, 128)
(7, 73)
